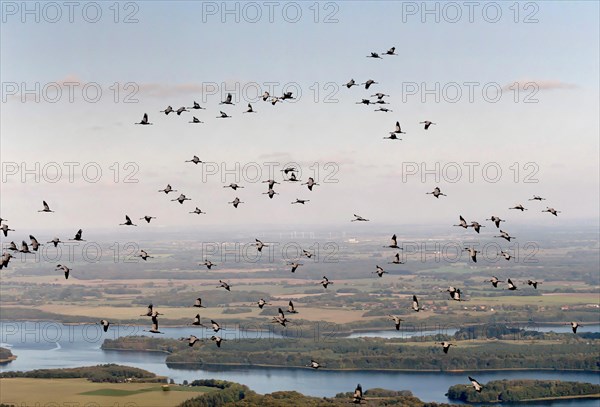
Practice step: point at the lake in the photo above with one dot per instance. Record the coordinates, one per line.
(52, 345)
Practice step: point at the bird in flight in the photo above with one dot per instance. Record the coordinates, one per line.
(195, 120)
(128, 222)
(436, 192)
(427, 123)
(181, 199)
(167, 189)
(144, 120)
(228, 100)
(46, 207)
(552, 211)
(194, 160)
(148, 218)
(168, 110)
(236, 202)
(358, 218)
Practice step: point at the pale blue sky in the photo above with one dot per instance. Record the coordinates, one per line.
(171, 49)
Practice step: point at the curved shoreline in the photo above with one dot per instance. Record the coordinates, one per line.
(8, 360)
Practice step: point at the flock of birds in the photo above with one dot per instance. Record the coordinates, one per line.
(290, 172)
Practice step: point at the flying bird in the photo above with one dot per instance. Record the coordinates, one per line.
(167, 189)
(196, 106)
(25, 248)
(357, 397)
(379, 271)
(78, 236)
(574, 326)
(552, 211)
(519, 207)
(511, 286)
(236, 202)
(5, 229)
(462, 222)
(374, 55)
(358, 218)
(271, 183)
(215, 326)
(150, 311)
(391, 51)
(436, 192)
(291, 309)
(144, 255)
(223, 115)
(181, 110)
(191, 340)
(476, 385)
(537, 198)
(198, 303)
(259, 245)
(369, 83)
(34, 243)
(394, 243)
(314, 364)
(280, 318)
(446, 346)
(228, 100)
(128, 222)
(350, 83)
(223, 284)
(181, 199)
(310, 183)
(271, 193)
(197, 321)
(217, 340)
(168, 110)
(325, 282)
(415, 304)
(233, 186)
(46, 207)
(396, 259)
(261, 303)
(397, 320)
(496, 220)
(505, 235)
(472, 253)
(198, 211)
(476, 226)
(154, 328)
(195, 120)
(65, 269)
(427, 123)
(294, 266)
(105, 324)
(494, 280)
(301, 201)
(144, 120)
(194, 160)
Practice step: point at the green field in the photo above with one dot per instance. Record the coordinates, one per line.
(29, 392)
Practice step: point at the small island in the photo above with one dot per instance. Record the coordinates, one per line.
(369, 354)
(6, 356)
(512, 391)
